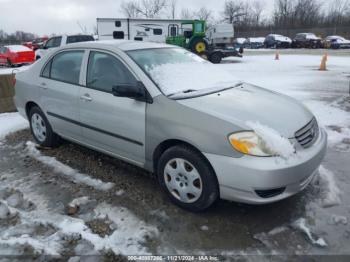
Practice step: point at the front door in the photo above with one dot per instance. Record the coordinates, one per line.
(113, 124)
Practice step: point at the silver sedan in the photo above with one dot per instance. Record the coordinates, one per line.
(205, 134)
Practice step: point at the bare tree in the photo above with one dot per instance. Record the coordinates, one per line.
(338, 12)
(186, 14)
(172, 8)
(130, 9)
(257, 8)
(233, 11)
(203, 14)
(143, 8)
(283, 13)
(150, 8)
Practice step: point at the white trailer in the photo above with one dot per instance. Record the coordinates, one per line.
(219, 37)
(150, 30)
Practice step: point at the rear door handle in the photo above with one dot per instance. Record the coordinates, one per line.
(86, 97)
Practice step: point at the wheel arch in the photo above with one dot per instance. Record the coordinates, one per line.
(29, 106)
(165, 145)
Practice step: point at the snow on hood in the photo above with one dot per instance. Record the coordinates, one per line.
(241, 40)
(178, 77)
(251, 103)
(256, 39)
(312, 37)
(342, 41)
(282, 38)
(273, 139)
(18, 48)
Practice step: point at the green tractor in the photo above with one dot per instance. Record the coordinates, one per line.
(191, 36)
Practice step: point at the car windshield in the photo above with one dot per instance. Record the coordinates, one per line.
(180, 74)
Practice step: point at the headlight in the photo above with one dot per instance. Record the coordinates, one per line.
(249, 143)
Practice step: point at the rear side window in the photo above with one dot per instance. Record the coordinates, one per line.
(118, 35)
(157, 31)
(66, 66)
(54, 42)
(47, 70)
(106, 71)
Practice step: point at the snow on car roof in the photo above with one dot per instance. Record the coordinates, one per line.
(256, 39)
(18, 48)
(125, 45)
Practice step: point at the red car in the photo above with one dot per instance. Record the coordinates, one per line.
(39, 42)
(12, 55)
(28, 44)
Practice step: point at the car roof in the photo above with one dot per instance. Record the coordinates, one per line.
(125, 45)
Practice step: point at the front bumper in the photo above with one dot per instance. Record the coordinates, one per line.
(240, 178)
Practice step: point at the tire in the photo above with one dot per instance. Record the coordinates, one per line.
(187, 178)
(199, 46)
(41, 129)
(9, 64)
(215, 58)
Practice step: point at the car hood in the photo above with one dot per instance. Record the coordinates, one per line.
(254, 104)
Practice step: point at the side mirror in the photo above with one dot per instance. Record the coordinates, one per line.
(136, 91)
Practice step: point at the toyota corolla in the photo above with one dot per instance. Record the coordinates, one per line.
(205, 134)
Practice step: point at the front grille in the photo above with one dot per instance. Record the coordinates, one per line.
(270, 192)
(307, 135)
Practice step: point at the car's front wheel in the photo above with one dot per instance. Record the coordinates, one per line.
(187, 178)
(41, 129)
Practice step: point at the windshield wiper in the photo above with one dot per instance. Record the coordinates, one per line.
(214, 91)
(184, 92)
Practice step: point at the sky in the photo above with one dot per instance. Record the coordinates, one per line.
(46, 17)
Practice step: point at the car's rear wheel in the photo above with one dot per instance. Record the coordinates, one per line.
(9, 64)
(41, 129)
(187, 178)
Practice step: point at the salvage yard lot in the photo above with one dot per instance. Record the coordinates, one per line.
(122, 211)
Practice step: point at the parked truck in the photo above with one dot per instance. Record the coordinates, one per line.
(214, 43)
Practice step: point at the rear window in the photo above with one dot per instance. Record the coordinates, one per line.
(79, 38)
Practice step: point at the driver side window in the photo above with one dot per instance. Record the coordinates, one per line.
(106, 71)
(53, 42)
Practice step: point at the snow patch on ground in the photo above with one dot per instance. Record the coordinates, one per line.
(273, 140)
(79, 201)
(10, 123)
(331, 192)
(67, 171)
(130, 232)
(301, 225)
(339, 220)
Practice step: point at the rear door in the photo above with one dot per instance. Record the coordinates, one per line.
(112, 124)
(59, 87)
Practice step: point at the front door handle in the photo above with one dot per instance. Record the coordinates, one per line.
(86, 97)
